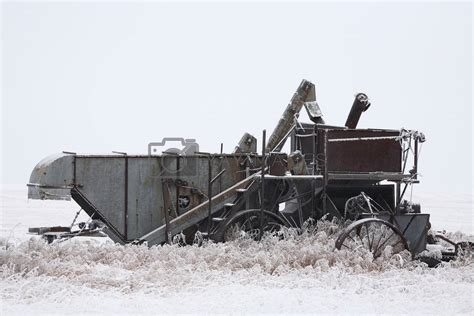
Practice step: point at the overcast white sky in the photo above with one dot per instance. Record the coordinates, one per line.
(100, 77)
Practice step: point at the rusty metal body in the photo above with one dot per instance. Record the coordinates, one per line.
(151, 198)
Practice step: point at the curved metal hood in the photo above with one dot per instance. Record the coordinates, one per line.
(52, 178)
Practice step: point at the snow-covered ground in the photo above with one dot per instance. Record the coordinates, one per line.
(300, 274)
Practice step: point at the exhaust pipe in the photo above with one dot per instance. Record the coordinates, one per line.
(361, 104)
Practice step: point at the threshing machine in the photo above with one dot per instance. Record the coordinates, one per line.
(346, 172)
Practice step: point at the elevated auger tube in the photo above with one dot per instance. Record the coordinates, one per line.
(304, 95)
(361, 104)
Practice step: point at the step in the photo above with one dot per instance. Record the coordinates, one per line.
(241, 191)
(218, 219)
(204, 234)
(229, 205)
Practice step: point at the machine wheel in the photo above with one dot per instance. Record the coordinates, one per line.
(247, 222)
(372, 234)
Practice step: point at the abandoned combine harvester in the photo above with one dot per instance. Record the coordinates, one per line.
(332, 171)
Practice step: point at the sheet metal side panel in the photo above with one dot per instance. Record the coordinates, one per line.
(102, 182)
(382, 155)
(414, 227)
(145, 197)
(145, 189)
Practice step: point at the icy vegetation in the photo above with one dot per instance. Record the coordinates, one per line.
(301, 272)
(32, 270)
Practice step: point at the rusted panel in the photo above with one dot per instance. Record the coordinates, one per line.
(363, 151)
(277, 163)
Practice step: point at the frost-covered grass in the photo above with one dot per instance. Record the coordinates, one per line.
(299, 273)
(33, 271)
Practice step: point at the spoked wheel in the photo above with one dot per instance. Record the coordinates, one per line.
(372, 234)
(247, 223)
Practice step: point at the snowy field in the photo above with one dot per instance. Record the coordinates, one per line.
(301, 274)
